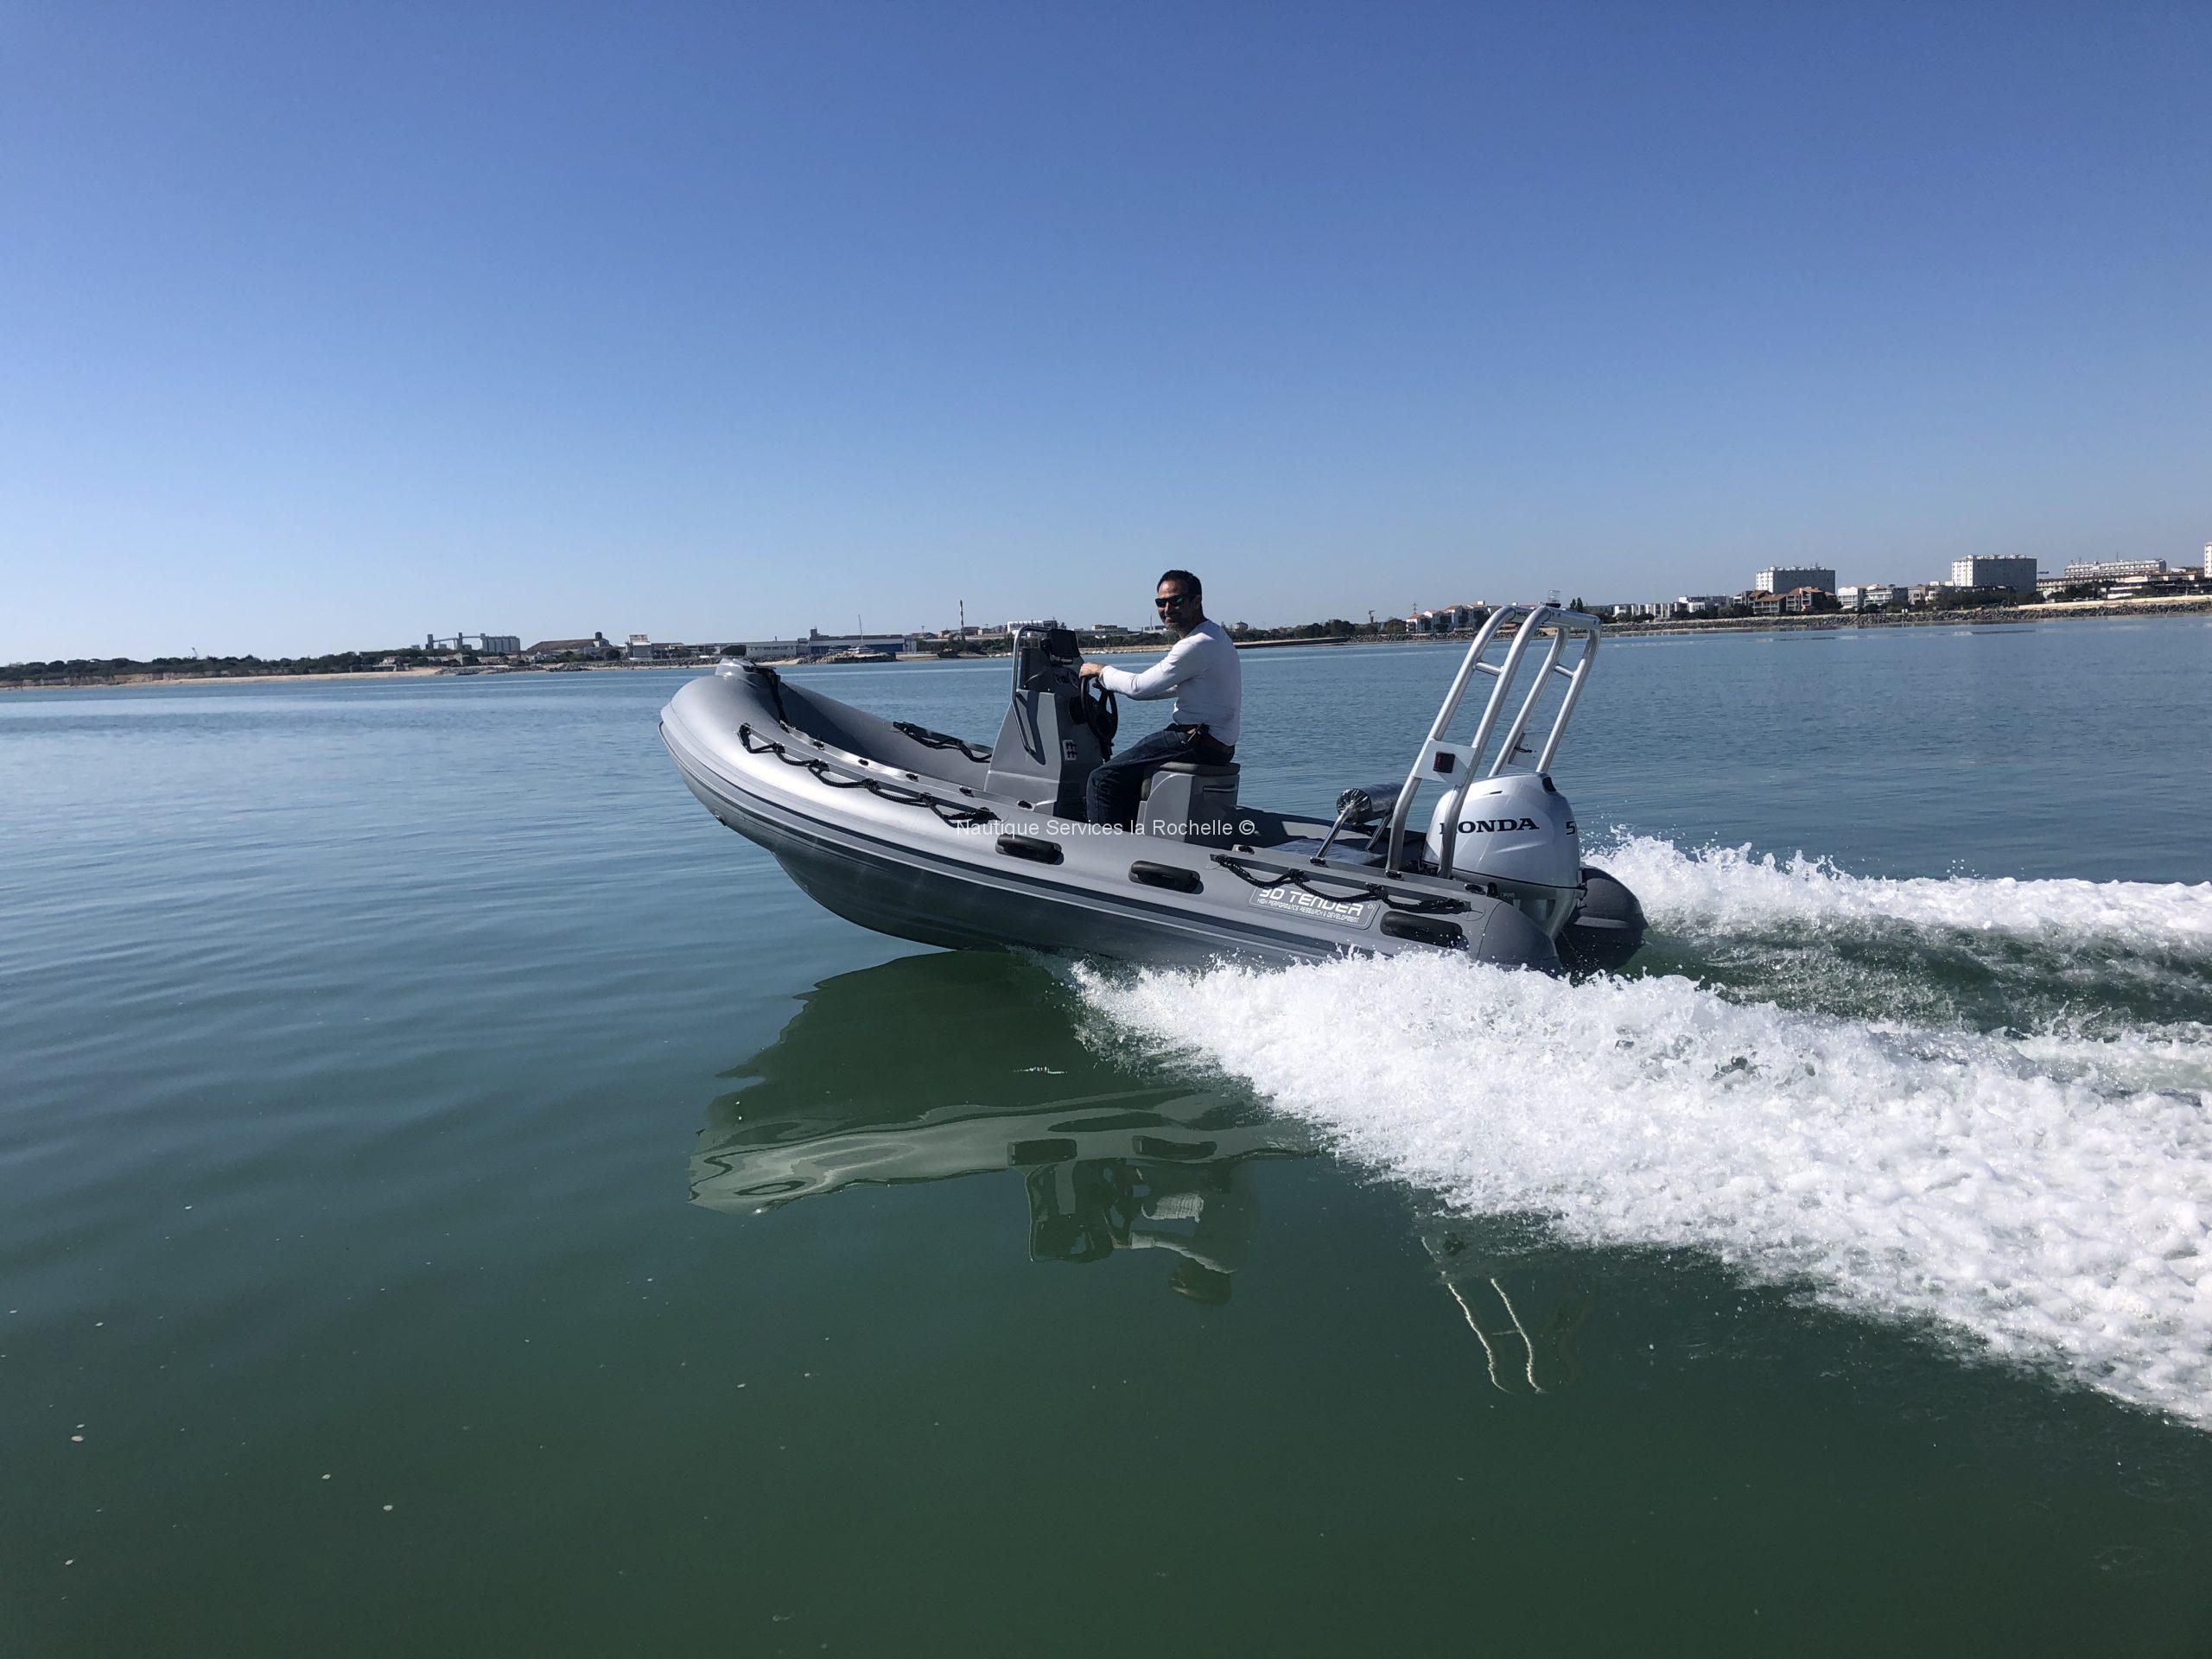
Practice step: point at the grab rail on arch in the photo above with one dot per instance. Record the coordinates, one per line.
(1463, 763)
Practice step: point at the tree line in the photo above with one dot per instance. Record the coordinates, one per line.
(79, 669)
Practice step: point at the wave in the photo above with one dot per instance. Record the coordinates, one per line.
(2044, 1197)
(1726, 890)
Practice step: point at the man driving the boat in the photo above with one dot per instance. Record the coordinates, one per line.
(1200, 671)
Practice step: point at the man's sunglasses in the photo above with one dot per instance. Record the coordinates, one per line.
(1168, 601)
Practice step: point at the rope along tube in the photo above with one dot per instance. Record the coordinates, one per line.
(775, 683)
(1350, 891)
(951, 812)
(930, 740)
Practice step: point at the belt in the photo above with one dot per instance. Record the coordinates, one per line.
(1203, 736)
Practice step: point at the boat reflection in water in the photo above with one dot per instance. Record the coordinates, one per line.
(973, 1063)
(968, 1063)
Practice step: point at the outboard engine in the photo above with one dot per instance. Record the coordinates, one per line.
(1501, 826)
(1516, 830)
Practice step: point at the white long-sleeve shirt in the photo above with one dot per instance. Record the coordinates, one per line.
(1201, 669)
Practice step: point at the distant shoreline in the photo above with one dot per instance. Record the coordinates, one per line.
(125, 681)
(2065, 611)
(2077, 610)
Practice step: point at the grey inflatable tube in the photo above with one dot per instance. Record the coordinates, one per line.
(1606, 932)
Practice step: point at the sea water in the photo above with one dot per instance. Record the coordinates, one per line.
(455, 1197)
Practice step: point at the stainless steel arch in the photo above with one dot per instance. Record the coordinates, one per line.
(1464, 762)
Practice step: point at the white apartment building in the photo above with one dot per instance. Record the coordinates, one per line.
(1787, 578)
(2017, 574)
(1872, 596)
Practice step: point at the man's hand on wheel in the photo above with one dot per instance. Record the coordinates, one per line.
(1089, 670)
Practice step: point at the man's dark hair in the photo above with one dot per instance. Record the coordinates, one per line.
(1191, 583)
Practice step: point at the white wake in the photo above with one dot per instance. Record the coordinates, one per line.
(2045, 1198)
(1722, 890)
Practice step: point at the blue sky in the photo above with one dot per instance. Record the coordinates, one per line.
(331, 325)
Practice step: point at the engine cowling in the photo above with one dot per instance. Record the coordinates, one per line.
(1514, 829)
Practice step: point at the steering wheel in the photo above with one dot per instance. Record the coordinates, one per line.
(1102, 712)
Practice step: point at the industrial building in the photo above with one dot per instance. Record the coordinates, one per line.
(597, 646)
(817, 643)
(2111, 569)
(823, 645)
(491, 644)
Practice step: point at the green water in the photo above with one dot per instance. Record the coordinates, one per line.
(467, 1201)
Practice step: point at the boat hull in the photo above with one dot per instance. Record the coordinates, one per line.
(899, 868)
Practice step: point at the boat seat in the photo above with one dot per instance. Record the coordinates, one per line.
(1189, 800)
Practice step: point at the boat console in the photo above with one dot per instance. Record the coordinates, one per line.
(1057, 728)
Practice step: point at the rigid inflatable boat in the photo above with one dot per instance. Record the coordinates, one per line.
(931, 837)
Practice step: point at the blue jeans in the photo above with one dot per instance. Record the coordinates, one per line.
(1111, 795)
